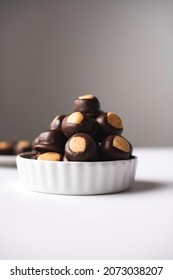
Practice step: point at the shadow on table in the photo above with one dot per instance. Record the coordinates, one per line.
(142, 186)
(7, 166)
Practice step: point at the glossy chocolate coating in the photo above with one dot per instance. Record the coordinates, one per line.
(110, 152)
(30, 155)
(35, 142)
(22, 146)
(86, 125)
(7, 147)
(56, 123)
(90, 106)
(51, 140)
(90, 152)
(105, 128)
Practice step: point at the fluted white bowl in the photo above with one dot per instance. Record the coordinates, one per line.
(76, 178)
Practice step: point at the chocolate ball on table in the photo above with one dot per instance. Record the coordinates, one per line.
(109, 123)
(78, 122)
(81, 147)
(22, 146)
(6, 148)
(51, 140)
(115, 147)
(56, 123)
(87, 104)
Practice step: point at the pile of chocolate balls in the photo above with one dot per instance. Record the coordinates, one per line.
(87, 134)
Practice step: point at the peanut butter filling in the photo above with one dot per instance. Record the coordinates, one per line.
(75, 118)
(51, 156)
(77, 144)
(114, 120)
(121, 144)
(87, 96)
(23, 144)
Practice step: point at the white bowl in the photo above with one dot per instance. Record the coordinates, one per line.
(76, 178)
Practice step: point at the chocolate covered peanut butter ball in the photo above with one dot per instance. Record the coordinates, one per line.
(22, 146)
(81, 147)
(30, 155)
(115, 147)
(78, 122)
(87, 104)
(34, 142)
(51, 140)
(109, 123)
(6, 148)
(56, 123)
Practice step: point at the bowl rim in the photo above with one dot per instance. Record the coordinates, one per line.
(21, 156)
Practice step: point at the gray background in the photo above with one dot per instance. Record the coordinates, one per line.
(121, 51)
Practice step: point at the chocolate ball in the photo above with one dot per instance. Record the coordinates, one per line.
(81, 147)
(30, 155)
(35, 142)
(108, 124)
(22, 146)
(115, 147)
(6, 148)
(51, 140)
(56, 123)
(87, 104)
(78, 122)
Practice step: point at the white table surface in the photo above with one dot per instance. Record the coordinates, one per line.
(137, 224)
